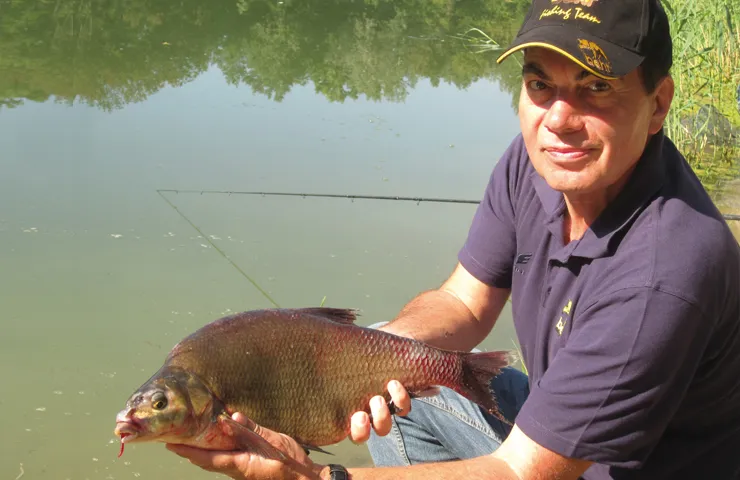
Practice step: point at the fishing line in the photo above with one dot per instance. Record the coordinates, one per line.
(418, 200)
(244, 274)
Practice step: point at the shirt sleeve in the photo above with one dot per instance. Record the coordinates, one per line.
(489, 250)
(611, 390)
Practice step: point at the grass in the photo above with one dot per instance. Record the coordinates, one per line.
(480, 42)
(706, 72)
(520, 358)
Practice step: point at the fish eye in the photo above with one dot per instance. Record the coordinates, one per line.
(159, 401)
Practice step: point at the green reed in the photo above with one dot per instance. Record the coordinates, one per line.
(706, 72)
(520, 357)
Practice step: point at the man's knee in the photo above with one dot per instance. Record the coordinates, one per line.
(388, 450)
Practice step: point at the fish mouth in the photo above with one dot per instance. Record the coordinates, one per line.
(127, 430)
(126, 425)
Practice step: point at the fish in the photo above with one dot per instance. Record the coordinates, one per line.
(298, 371)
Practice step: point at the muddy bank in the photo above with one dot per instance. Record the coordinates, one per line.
(728, 201)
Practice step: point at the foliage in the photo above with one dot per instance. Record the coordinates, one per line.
(114, 52)
(704, 120)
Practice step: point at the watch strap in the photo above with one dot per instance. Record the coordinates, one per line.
(338, 472)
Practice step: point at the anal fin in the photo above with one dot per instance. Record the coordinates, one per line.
(429, 392)
(308, 448)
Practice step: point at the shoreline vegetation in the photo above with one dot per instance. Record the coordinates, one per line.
(705, 119)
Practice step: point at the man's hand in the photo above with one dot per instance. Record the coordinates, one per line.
(381, 415)
(241, 465)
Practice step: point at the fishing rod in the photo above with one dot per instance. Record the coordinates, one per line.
(727, 216)
(329, 195)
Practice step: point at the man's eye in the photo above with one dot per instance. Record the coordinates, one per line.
(536, 85)
(599, 87)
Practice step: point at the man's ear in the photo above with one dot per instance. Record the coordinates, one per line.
(662, 98)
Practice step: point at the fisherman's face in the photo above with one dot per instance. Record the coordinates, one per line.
(585, 134)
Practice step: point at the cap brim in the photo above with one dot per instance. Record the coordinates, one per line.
(593, 54)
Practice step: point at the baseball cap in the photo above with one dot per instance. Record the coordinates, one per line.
(608, 38)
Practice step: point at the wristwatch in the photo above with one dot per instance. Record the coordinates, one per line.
(338, 472)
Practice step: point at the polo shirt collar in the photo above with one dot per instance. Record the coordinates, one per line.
(646, 179)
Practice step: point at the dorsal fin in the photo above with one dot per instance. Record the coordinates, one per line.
(345, 316)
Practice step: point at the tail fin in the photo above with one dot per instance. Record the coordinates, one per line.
(478, 370)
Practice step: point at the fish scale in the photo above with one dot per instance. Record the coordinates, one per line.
(303, 372)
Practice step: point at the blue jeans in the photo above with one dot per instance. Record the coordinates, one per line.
(448, 426)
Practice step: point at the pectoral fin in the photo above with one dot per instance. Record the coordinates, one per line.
(248, 440)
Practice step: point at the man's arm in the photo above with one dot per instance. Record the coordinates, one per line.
(457, 315)
(518, 458)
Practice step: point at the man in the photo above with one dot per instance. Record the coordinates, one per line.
(624, 279)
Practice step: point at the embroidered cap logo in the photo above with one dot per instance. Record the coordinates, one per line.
(594, 55)
(571, 13)
(585, 3)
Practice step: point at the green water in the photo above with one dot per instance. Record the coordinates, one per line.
(112, 101)
(107, 102)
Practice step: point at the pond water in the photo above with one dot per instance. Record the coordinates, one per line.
(106, 104)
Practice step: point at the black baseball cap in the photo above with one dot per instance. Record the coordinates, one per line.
(608, 38)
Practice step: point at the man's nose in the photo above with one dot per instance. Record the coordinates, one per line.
(563, 116)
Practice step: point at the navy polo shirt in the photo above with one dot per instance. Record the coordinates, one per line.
(631, 334)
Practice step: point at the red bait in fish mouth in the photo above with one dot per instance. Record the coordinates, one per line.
(123, 435)
(125, 429)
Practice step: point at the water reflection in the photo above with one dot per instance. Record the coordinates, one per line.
(111, 53)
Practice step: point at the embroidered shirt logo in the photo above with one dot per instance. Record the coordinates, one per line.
(594, 55)
(566, 309)
(521, 259)
(563, 320)
(560, 326)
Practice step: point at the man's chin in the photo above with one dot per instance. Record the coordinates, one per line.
(570, 183)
